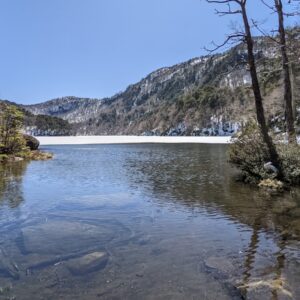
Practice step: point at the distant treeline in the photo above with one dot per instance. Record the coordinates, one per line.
(42, 124)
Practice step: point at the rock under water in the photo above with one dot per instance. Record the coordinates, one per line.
(88, 263)
(61, 237)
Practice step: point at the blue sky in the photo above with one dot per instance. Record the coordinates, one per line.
(95, 48)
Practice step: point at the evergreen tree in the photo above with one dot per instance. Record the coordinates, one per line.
(11, 122)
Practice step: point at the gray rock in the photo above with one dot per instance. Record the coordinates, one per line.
(88, 263)
(18, 158)
(270, 168)
(31, 142)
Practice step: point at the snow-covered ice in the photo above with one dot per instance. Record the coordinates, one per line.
(124, 139)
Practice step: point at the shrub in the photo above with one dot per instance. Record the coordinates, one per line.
(290, 160)
(249, 154)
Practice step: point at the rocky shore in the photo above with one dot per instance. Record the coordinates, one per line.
(31, 153)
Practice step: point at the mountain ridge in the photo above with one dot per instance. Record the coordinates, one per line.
(206, 95)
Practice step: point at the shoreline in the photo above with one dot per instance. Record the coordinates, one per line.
(126, 139)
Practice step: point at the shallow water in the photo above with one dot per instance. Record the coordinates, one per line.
(170, 221)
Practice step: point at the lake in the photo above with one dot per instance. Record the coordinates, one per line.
(155, 221)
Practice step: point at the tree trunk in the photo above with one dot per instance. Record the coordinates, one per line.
(257, 94)
(288, 98)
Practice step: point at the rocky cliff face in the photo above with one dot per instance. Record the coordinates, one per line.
(73, 109)
(208, 95)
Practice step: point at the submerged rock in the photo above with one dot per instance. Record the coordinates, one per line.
(220, 264)
(88, 263)
(64, 237)
(265, 289)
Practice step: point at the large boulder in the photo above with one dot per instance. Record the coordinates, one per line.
(31, 142)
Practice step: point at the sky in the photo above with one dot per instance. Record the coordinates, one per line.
(96, 48)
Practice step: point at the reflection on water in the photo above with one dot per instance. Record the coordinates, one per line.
(11, 193)
(144, 222)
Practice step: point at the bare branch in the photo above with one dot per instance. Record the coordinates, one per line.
(231, 39)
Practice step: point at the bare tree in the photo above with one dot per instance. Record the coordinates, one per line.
(246, 36)
(286, 74)
(288, 95)
(294, 57)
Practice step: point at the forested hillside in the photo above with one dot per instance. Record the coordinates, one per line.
(42, 124)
